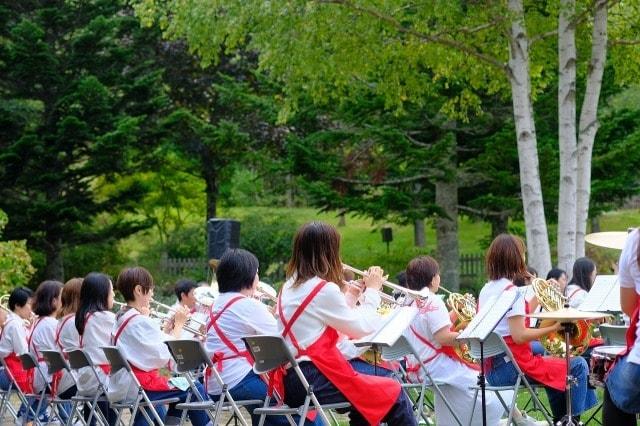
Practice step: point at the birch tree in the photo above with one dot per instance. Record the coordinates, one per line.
(403, 51)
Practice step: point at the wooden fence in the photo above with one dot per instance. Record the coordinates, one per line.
(471, 265)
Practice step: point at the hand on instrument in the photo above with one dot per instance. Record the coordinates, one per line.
(181, 316)
(374, 278)
(353, 292)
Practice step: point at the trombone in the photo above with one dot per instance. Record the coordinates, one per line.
(416, 295)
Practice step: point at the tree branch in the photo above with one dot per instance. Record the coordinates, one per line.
(623, 42)
(490, 60)
(485, 213)
(385, 182)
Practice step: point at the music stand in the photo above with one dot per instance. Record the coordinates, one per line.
(479, 329)
(604, 295)
(390, 330)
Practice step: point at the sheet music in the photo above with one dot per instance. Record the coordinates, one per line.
(489, 316)
(391, 329)
(604, 295)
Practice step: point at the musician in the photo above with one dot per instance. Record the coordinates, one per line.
(13, 342)
(93, 322)
(504, 263)
(185, 293)
(312, 311)
(430, 334)
(584, 274)
(622, 393)
(235, 314)
(141, 343)
(66, 334)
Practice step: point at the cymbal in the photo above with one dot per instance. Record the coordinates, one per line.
(568, 315)
(614, 240)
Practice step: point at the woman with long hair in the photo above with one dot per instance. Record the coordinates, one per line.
(66, 335)
(584, 274)
(622, 393)
(93, 323)
(505, 261)
(431, 334)
(312, 311)
(141, 342)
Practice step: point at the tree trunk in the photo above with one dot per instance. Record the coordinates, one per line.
(595, 225)
(499, 225)
(419, 239)
(588, 125)
(211, 182)
(289, 199)
(534, 218)
(54, 269)
(447, 227)
(567, 134)
(342, 219)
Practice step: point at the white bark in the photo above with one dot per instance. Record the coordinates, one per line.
(588, 125)
(536, 227)
(567, 135)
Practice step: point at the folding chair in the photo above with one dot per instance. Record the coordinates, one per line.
(29, 363)
(141, 403)
(400, 349)
(271, 352)
(5, 395)
(191, 358)
(614, 335)
(78, 359)
(495, 345)
(56, 363)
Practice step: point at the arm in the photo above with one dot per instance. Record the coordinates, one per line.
(334, 311)
(521, 334)
(628, 299)
(446, 337)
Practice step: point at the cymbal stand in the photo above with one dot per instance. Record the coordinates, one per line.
(567, 420)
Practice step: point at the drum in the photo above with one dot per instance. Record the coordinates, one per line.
(602, 358)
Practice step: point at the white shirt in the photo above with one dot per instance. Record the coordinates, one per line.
(67, 333)
(14, 336)
(42, 337)
(457, 377)
(246, 317)
(576, 295)
(629, 277)
(97, 333)
(328, 308)
(494, 289)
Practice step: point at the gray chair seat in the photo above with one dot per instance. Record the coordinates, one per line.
(285, 409)
(143, 403)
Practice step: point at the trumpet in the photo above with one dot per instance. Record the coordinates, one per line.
(266, 291)
(192, 325)
(405, 292)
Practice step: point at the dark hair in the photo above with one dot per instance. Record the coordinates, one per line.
(129, 278)
(70, 296)
(94, 297)
(523, 280)
(19, 297)
(236, 270)
(43, 298)
(402, 278)
(184, 286)
(316, 252)
(582, 270)
(555, 273)
(420, 272)
(505, 258)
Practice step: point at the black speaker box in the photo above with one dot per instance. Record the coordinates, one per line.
(222, 234)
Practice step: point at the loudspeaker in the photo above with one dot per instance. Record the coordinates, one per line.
(387, 234)
(222, 234)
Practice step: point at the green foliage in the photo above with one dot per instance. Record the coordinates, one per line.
(15, 262)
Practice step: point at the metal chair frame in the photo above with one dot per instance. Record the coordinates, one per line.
(6, 395)
(270, 353)
(55, 362)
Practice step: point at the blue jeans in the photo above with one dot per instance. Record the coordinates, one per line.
(536, 347)
(503, 373)
(622, 384)
(198, 418)
(5, 384)
(253, 387)
(401, 413)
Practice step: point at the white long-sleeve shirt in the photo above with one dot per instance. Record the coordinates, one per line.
(246, 317)
(328, 308)
(42, 337)
(14, 336)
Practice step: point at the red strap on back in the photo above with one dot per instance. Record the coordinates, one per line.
(287, 325)
(122, 327)
(30, 338)
(426, 342)
(86, 321)
(59, 330)
(573, 293)
(219, 356)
